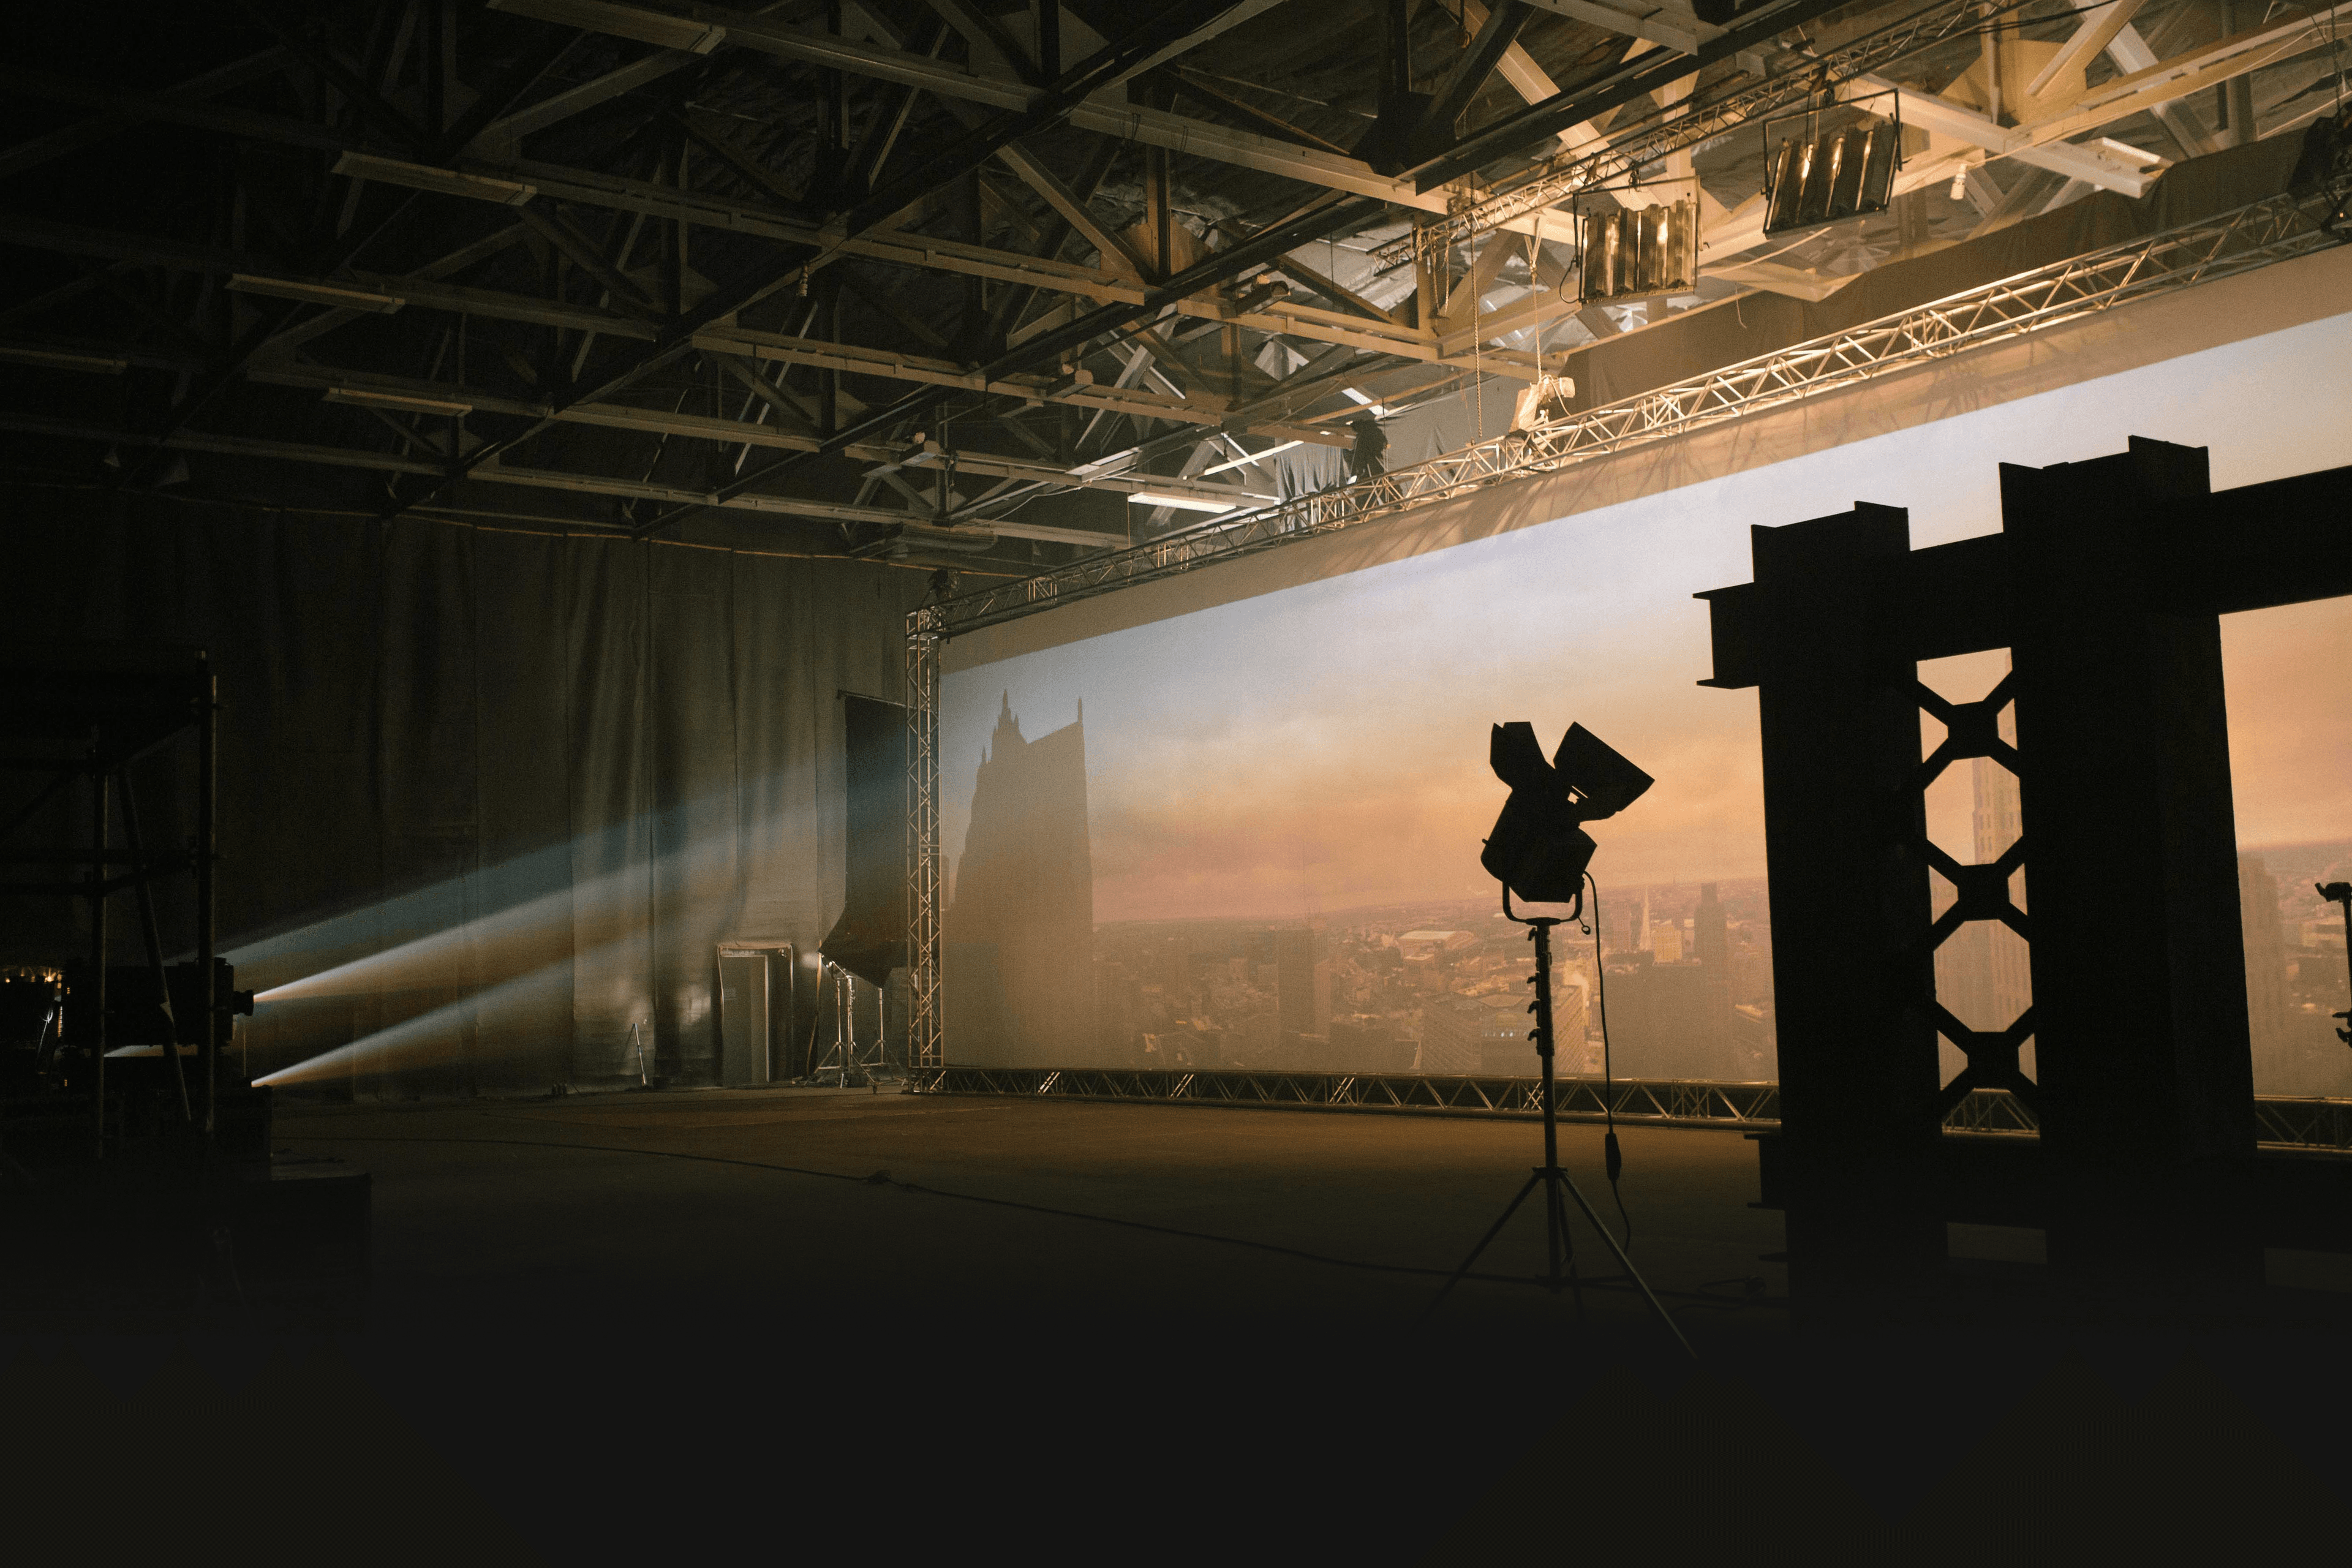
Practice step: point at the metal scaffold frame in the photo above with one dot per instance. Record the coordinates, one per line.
(2245, 239)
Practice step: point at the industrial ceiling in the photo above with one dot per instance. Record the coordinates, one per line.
(956, 280)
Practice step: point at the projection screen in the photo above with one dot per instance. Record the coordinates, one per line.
(1238, 824)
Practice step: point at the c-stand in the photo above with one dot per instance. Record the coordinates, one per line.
(1559, 1242)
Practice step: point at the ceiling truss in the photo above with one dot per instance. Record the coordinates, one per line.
(952, 280)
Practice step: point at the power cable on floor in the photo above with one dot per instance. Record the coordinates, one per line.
(884, 1179)
(1612, 1157)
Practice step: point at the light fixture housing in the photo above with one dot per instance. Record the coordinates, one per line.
(1831, 163)
(1640, 252)
(1539, 849)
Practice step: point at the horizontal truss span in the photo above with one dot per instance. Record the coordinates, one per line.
(2282, 1122)
(1666, 1101)
(2274, 229)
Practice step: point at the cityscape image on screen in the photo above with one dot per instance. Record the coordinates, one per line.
(1247, 835)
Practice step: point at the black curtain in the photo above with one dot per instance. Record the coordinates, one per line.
(522, 785)
(870, 938)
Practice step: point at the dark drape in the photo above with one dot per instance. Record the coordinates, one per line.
(870, 938)
(508, 790)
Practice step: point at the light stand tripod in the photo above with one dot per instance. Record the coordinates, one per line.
(1559, 1243)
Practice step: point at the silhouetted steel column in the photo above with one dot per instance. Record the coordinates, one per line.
(2139, 991)
(1850, 973)
(98, 804)
(207, 934)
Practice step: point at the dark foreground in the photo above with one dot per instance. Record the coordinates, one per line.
(844, 1326)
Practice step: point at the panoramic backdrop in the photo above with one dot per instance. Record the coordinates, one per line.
(1268, 813)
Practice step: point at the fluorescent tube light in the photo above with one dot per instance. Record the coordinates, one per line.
(425, 177)
(1189, 503)
(1252, 457)
(316, 293)
(366, 398)
(59, 359)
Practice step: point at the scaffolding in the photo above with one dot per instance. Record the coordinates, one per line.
(82, 717)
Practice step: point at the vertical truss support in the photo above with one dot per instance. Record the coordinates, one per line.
(924, 1032)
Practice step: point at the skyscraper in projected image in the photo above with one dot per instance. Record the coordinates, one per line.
(1020, 933)
(1984, 970)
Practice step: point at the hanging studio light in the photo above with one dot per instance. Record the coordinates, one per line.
(1640, 252)
(1819, 174)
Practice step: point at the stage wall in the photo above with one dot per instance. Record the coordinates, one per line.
(1262, 787)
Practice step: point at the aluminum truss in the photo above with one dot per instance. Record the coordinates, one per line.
(1801, 87)
(2281, 1123)
(1657, 1101)
(2284, 1122)
(924, 1019)
(2276, 229)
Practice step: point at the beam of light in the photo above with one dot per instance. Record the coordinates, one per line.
(289, 950)
(430, 1038)
(451, 939)
(516, 936)
(595, 925)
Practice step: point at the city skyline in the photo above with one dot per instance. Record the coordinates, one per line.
(1250, 756)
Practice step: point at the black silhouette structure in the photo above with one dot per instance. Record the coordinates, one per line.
(2106, 583)
(1365, 458)
(2340, 894)
(869, 940)
(1020, 931)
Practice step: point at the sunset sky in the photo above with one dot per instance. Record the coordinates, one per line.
(1324, 746)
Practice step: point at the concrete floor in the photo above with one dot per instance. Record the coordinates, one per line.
(640, 1328)
(1012, 1213)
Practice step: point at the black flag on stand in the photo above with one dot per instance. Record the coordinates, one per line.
(869, 940)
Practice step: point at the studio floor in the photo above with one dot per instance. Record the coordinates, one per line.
(936, 1212)
(845, 1326)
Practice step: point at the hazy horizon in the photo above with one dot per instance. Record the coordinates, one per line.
(1324, 746)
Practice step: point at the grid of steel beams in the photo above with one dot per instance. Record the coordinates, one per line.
(2277, 228)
